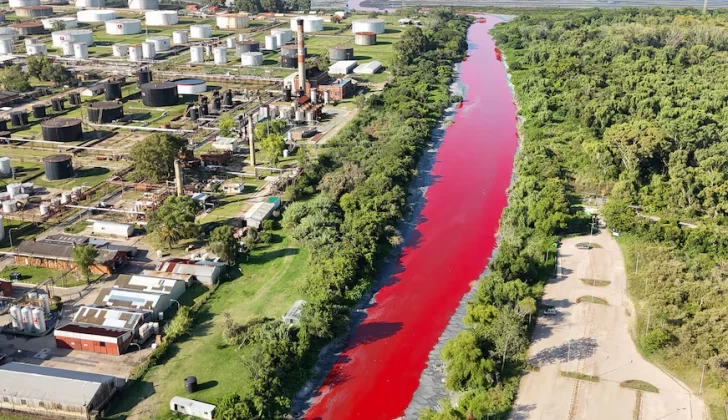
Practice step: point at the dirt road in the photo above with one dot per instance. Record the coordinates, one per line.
(594, 339)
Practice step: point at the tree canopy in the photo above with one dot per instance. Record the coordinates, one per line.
(175, 220)
(155, 155)
(84, 257)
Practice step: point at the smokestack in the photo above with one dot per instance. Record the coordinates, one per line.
(301, 60)
(178, 181)
(251, 142)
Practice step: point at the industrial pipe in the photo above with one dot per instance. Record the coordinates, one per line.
(251, 141)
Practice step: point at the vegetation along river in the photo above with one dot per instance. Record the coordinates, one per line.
(379, 370)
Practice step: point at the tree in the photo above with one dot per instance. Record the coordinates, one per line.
(175, 220)
(154, 156)
(272, 146)
(466, 365)
(226, 124)
(223, 244)
(36, 63)
(58, 25)
(13, 78)
(57, 73)
(263, 130)
(84, 257)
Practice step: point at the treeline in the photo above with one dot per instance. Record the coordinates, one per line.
(631, 103)
(347, 204)
(259, 6)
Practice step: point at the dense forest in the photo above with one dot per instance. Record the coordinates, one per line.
(629, 104)
(346, 206)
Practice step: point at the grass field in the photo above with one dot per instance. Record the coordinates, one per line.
(21, 231)
(88, 177)
(32, 275)
(268, 286)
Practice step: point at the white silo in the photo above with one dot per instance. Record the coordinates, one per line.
(69, 22)
(286, 34)
(30, 41)
(220, 55)
(271, 42)
(251, 59)
(65, 197)
(123, 26)
(6, 46)
(197, 54)
(8, 33)
(161, 43)
(368, 25)
(180, 37)
(72, 35)
(310, 24)
(80, 50)
(37, 49)
(26, 318)
(39, 324)
(200, 31)
(90, 16)
(44, 209)
(16, 318)
(14, 189)
(135, 52)
(26, 188)
(148, 50)
(5, 168)
(67, 48)
(32, 296)
(230, 42)
(23, 3)
(144, 4)
(46, 302)
(120, 50)
(161, 18)
(9, 206)
(84, 4)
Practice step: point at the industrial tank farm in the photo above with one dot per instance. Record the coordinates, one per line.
(28, 28)
(161, 18)
(68, 22)
(144, 4)
(62, 129)
(161, 43)
(72, 35)
(248, 45)
(200, 31)
(341, 53)
(159, 94)
(91, 16)
(33, 11)
(190, 86)
(251, 59)
(232, 21)
(123, 26)
(365, 38)
(368, 25)
(58, 167)
(310, 24)
(104, 112)
(180, 37)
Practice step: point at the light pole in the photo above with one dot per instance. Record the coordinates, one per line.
(140, 350)
(10, 236)
(637, 264)
(178, 305)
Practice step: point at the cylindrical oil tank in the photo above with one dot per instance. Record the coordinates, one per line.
(69, 22)
(289, 62)
(34, 11)
(14, 190)
(271, 42)
(232, 21)
(161, 43)
(194, 114)
(251, 59)
(200, 31)
(3, 125)
(247, 45)
(90, 16)
(190, 86)
(123, 26)
(30, 41)
(120, 50)
(310, 24)
(368, 25)
(45, 208)
(85, 4)
(161, 18)
(291, 51)
(37, 49)
(39, 110)
(6, 46)
(135, 52)
(341, 53)
(230, 42)
(72, 35)
(15, 318)
(365, 38)
(143, 76)
(8, 33)
(80, 50)
(19, 118)
(190, 384)
(159, 94)
(228, 98)
(112, 91)
(300, 115)
(148, 50)
(58, 167)
(74, 98)
(62, 129)
(216, 103)
(57, 104)
(180, 37)
(104, 112)
(144, 4)
(203, 110)
(5, 165)
(286, 34)
(219, 55)
(197, 54)
(14, 4)
(67, 48)
(39, 324)
(26, 188)
(26, 313)
(28, 28)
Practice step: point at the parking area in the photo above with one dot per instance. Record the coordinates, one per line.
(588, 338)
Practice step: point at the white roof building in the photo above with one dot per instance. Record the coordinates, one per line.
(187, 278)
(131, 299)
(192, 408)
(109, 317)
(368, 68)
(165, 286)
(205, 274)
(105, 227)
(259, 212)
(342, 67)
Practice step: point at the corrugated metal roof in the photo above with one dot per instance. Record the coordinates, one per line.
(259, 211)
(92, 330)
(128, 299)
(49, 250)
(108, 317)
(368, 68)
(155, 273)
(342, 67)
(50, 384)
(146, 283)
(186, 402)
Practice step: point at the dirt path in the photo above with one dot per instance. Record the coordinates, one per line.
(594, 339)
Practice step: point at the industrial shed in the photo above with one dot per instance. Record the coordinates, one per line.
(192, 408)
(130, 299)
(260, 211)
(104, 227)
(187, 278)
(60, 256)
(40, 389)
(369, 68)
(164, 286)
(85, 337)
(110, 317)
(204, 274)
(342, 67)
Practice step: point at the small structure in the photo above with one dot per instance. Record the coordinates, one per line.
(102, 340)
(192, 408)
(94, 90)
(293, 316)
(368, 68)
(405, 21)
(226, 143)
(110, 317)
(166, 286)
(104, 227)
(187, 278)
(45, 390)
(132, 299)
(233, 188)
(260, 211)
(343, 67)
(60, 257)
(201, 272)
(338, 90)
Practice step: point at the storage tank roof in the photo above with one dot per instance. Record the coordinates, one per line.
(26, 25)
(158, 85)
(60, 122)
(56, 158)
(189, 81)
(105, 105)
(124, 21)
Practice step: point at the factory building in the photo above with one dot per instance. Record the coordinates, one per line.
(314, 79)
(104, 340)
(110, 317)
(186, 278)
(371, 67)
(201, 271)
(105, 227)
(59, 256)
(339, 89)
(166, 286)
(132, 299)
(54, 392)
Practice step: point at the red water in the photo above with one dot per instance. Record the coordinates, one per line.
(379, 370)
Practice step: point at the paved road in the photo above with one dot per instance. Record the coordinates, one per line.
(594, 339)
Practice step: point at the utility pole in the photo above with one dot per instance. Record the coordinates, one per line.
(702, 376)
(705, 6)
(649, 315)
(637, 265)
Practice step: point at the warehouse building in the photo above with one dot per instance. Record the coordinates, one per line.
(54, 392)
(201, 272)
(343, 67)
(104, 340)
(60, 257)
(187, 278)
(260, 211)
(369, 68)
(165, 286)
(110, 317)
(130, 299)
(105, 227)
(338, 90)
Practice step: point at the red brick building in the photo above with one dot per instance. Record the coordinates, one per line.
(103, 340)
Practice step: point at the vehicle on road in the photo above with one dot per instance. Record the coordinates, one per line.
(549, 310)
(583, 246)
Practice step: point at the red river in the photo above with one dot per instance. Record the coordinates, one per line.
(379, 369)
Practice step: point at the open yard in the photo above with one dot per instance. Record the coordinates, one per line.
(268, 286)
(32, 275)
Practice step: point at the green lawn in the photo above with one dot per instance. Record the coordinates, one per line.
(20, 231)
(268, 286)
(84, 176)
(229, 206)
(77, 227)
(32, 275)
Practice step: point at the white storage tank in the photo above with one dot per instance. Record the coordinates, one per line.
(23, 3)
(368, 25)
(148, 50)
(90, 16)
(135, 52)
(46, 302)
(69, 22)
(72, 35)
(80, 50)
(144, 4)
(37, 49)
(14, 189)
(9, 206)
(45, 209)
(8, 33)
(30, 41)
(219, 54)
(285, 34)
(230, 42)
(39, 324)
(180, 37)
(251, 59)
(191, 86)
(232, 21)
(26, 318)
(161, 18)
(161, 43)
(26, 188)
(16, 318)
(84, 4)
(197, 54)
(5, 168)
(200, 31)
(123, 26)
(6, 46)
(67, 48)
(271, 42)
(120, 50)
(310, 24)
